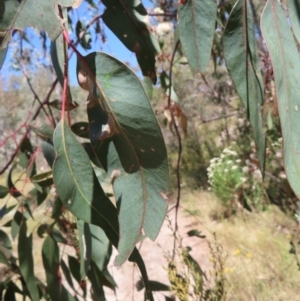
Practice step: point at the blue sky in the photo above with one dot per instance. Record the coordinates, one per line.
(113, 46)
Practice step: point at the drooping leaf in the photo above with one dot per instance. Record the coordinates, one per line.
(196, 233)
(37, 196)
(2, 211)
(12, 188)
(67, 273)
(136, 157)
(83, 195)
(57, 49)
(78, 187)
(15, 225)
(165, 83)
(294, 14)
(10, 295)
(85, 246)
(15, 14)
(83, 35)
(3, 191)
(50, 256)
(74, 267)
(133, 31)
(26, 261)
(42, 176)
(240, 51)
(53, 232)
(101, 247)
(25, 157)
(81, 129)
(57, 104)
(96, 279)
(148, 87)
(5, 248)
(57, 236)
(57, 208)
(42, 129)
(108, 280)
(91, 153)
(196, 23)
(155, 286)
(48, 152)
(286, 64)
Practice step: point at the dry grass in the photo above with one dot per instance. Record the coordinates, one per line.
(258, 265)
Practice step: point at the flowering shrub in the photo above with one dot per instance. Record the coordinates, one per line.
(225, 175)
(235, 181)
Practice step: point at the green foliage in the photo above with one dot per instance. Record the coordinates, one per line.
(242, 61)
(225, 176)
(286, 61)
(196, 26)
(119, 136)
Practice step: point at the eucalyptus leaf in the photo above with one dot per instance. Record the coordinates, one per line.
(50, 256)
(85, 246)
(286, 63)
(294, 15)
(241, 56)
(80, 191)
(18, 15)
(133, 31)
(26, 261)
(122, 120)
(3, 191)
(196, 23)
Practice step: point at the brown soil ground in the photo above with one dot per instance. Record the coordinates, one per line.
(155, 255)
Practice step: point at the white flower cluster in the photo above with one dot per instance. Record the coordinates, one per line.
(226, 163)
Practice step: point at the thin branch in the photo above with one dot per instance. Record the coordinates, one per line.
(179, 145)
(46, 100)
(34, 92)
(219, 117)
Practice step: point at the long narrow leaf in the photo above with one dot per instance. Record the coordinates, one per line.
(240, 51)
(26, 261)
(50, 256)
(133, 31)
(85, 247)
(294, 14)
(286, 65)
(196, 25)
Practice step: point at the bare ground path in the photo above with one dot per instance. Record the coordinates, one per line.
(154, 255)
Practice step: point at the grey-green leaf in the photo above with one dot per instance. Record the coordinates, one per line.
(294, 14)
(83, 195)
(26, 261)
(286, 65)
(78, 186)
(240, 51)
(3, 191)
(85, 246)
(136, 159)
(20, 14)
(50, 256)
(133, 31)
(196, 23)
(5, 248)
(101, 247)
